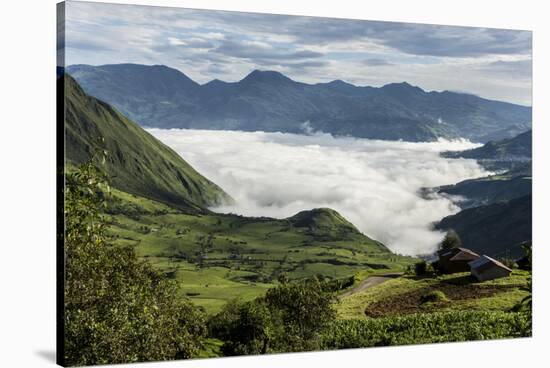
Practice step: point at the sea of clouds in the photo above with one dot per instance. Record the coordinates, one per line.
(374, 184)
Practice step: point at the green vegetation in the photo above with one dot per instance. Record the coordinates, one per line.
(406, 295)
(137, 162)
(451, 240)
(142, 315)
(291, 317)
(434, 296)
(422, 269)
(426, 329)
(118, 309)
(151, 274)
(216, 257)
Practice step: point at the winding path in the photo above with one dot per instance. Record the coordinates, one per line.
(370, 282)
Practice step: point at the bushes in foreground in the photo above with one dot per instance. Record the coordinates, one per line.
(118, 309)
(426, 328)
(291, 317)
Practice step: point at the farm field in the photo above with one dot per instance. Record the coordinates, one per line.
(411, 294)
(217, 257)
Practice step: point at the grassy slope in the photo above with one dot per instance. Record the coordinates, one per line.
(403, 295)
(244, 255)
(136, 162)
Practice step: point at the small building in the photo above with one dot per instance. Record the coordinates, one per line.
(454, 260)
(486, 268)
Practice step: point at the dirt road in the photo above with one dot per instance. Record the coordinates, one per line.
(370, 282)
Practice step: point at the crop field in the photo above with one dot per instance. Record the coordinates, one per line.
(426, 328)
(216, 257)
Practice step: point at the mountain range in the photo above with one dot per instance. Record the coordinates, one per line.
(159, 96)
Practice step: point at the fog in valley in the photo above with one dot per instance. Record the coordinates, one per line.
(374, 184)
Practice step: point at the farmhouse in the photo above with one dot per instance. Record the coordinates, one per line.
(454, 260)
(486, 268)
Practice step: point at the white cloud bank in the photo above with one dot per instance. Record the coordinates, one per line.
(374, 184)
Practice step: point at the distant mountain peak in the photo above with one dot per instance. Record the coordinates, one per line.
(266, 76)
(339, 83)
(215, 82)
(402, 86)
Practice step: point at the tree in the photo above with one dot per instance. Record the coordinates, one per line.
(451, 240)
(246, 328)
(305, 309)
(291, 317)
(118, 309)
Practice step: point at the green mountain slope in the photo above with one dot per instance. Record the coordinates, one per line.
(488, 190)
(503, 154)
(326, 224)
(497, 229)
(137, 162)
(218, 257)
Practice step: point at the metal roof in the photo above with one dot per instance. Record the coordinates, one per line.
(485, 261)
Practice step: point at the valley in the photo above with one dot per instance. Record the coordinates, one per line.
(245, 184)
(216, 257)
(237, 241)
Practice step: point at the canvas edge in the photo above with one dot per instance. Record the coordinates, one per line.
(60, 182)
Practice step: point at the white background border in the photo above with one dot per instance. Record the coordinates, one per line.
(27, 209)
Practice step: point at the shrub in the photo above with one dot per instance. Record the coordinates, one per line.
(304, 309)
(508, 262)
(422, 268)
(246, 328)
(451, 240)
(434, 296)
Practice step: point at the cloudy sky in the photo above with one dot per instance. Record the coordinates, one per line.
(206, 45)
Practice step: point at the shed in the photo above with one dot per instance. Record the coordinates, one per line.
(486, 268)
(455, 260)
